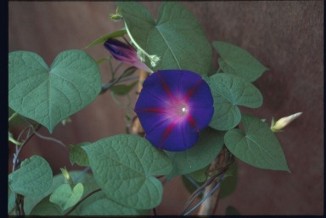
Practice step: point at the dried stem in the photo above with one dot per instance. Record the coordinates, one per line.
(136, 127)
(222, 162)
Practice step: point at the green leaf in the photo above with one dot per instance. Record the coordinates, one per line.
(201, 174)
(124, 166)
(229, 182)
(77, 155)
(41, 204)
(102, 39)
(176, 36)
(237, 61)
(230, 210)
(66, 197)
(123, 89)
(33, 178)
(46, 208)
(226, 115)
(11, 200)
(204, 151)
(256, 145)
(99, 205)
(50, 95)
(229, 91)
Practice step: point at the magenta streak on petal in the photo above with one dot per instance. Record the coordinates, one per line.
(153, 110)
(166, 133)
(165, 86)
(192, 90)
(192, 122)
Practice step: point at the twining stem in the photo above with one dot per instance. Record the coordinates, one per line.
(50, 139)
(122, 78)
(20, 147)
(83, 199)
(209, 206)
(20, 204)
(16, 163)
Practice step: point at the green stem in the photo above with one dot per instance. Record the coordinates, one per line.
(79, 202)
(12, 116)
(219, 70)
(108, 85)
(16, 163)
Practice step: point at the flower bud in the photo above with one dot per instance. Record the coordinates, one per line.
(125, 53)
(65, 174)
(283, 122)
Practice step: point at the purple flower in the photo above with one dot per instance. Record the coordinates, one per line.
(173, 107)
(125, 53)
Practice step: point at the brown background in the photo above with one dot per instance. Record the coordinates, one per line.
(287, 36)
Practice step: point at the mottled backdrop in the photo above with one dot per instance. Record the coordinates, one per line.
(287, 36)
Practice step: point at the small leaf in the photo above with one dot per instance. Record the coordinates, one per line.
(200, 175)
(176, 37)
(50, 95)
(256, 145)
(226, 115)
(229, 91)
(123, 89)
(237, 61)
(33, 178)
(199, 156)
(103, 38)
(230, 210)
(77, 155)
(229, 182)
(124, 166)
(66, 197)
(39, 202)
(46, 208)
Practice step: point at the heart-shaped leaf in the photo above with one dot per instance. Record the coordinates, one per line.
(49, 95)
(65, 196)
(33, 178)
(176, 36)
(238, 61)
(256, 145)
(207, 148)
(229, 91)
(41, 205)
(124, 167)
(99, 205)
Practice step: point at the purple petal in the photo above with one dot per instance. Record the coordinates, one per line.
(170, 137)
(173, 106)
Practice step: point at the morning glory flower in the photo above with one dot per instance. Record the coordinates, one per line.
(173, 107)
(125, 53)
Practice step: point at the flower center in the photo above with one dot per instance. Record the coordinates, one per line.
(180, 110)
